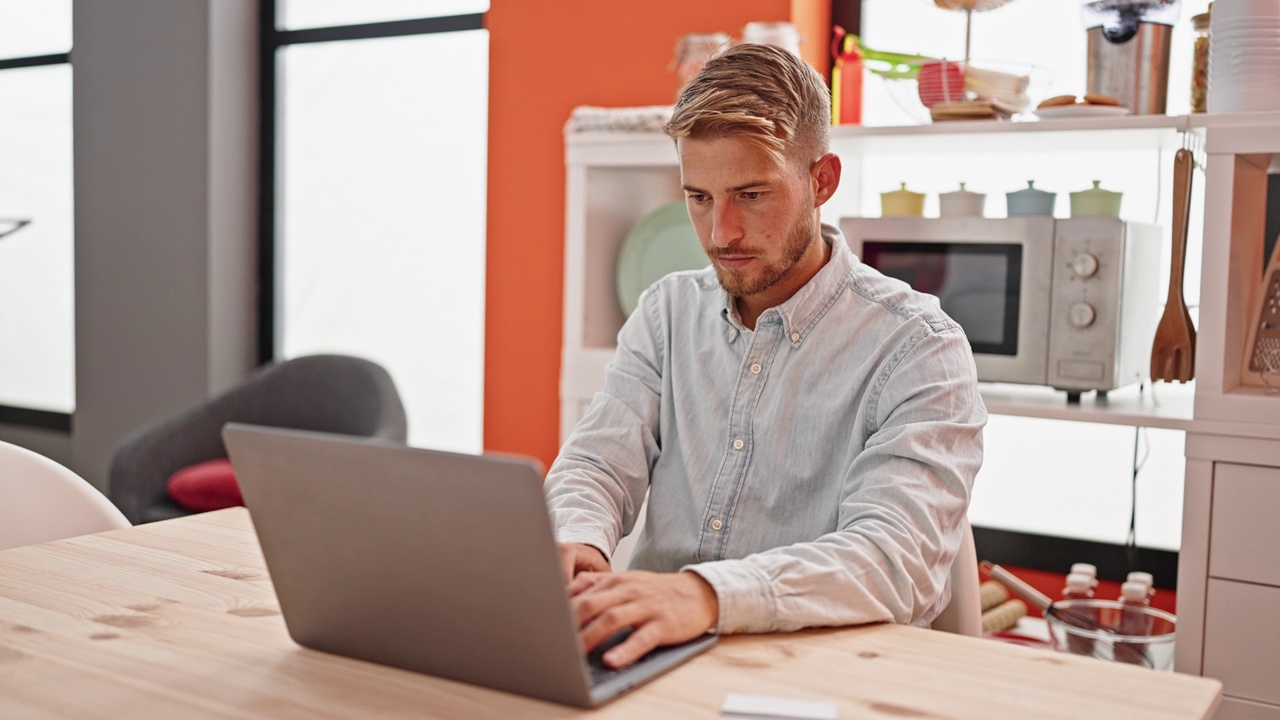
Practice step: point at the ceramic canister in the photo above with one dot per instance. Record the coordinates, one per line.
(1030, 201)
(961, 203)
(1095, 202)
(902, 203)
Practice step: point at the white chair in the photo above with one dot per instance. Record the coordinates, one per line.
(963, 614)
(41, 500)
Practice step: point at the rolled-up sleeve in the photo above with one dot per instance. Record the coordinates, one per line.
(597, 484)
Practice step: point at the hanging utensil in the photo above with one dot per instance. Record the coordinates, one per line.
(1173, 352)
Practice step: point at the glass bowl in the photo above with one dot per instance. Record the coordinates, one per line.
(1110, 630)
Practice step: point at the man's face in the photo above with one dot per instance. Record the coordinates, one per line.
(755, 217)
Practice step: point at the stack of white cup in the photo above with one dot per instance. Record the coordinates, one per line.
(1244, 56)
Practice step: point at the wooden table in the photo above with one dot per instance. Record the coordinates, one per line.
(178, 620)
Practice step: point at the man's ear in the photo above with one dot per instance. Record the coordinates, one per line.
(825, 174)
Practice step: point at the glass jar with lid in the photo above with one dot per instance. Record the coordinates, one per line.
(693, 51)
(1200, 61)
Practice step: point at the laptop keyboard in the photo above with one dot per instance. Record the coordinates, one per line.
(595, 659)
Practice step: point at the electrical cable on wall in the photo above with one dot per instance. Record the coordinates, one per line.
(1139, 460)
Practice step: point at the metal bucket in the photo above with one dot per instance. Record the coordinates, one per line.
(1133, 69)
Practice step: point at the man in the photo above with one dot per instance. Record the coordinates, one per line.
(806, 429)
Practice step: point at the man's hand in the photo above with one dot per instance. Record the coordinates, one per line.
(578, 557)
(664, 609)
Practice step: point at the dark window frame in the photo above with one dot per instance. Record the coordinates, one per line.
(10, 414)
(271, 41)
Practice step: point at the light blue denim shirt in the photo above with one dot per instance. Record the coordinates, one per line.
(815, 471)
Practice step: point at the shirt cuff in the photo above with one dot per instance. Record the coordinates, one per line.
(586, 536)
(744, 594)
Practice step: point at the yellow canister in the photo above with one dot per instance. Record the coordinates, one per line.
(902, 203)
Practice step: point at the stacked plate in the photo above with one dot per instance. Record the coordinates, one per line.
(1244, 56)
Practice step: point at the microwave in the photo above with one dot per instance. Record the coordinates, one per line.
(1068, 303)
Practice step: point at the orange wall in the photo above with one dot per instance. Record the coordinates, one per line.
(546, 57)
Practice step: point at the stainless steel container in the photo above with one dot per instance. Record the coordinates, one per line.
(1134, 70)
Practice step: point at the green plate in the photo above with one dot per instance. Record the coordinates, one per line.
(663, 242)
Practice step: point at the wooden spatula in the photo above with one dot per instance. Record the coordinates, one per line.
(1173, 352)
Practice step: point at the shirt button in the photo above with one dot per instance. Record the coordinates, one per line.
(755, 368)
(738, 444)
(716, 524)
(795, 337)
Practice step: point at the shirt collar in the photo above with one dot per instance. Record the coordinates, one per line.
(799, 313)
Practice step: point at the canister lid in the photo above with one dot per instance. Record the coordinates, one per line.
(961, 193)
(1096, 191)
(902, 191)
(1029, 191)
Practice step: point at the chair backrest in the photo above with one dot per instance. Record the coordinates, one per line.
(963, 615)
(324, 393)
(41, 500)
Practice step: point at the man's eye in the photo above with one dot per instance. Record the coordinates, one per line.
(755, 195)
(697, 197)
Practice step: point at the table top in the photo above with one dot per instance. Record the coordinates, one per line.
(178, 619)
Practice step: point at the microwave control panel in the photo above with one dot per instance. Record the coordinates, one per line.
(1104, 302)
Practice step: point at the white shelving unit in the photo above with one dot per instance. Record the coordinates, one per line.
(1233, 431)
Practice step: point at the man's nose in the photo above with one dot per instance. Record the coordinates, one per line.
(726, 225)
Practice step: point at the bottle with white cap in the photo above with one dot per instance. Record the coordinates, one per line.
(1086, 569)
(1134, 620)
(1145, 578)
(1079, 587)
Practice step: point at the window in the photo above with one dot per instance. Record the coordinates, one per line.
(37, 328)
(379, 206)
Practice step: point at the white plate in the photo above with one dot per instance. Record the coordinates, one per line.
(1080, 110)
(662, 242)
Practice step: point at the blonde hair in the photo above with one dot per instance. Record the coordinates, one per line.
(762, 93)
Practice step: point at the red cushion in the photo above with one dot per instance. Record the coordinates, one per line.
(206, 486)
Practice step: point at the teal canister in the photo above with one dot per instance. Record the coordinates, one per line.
(1030, 200)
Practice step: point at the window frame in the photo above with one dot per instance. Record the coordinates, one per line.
(11, 414)
(272, 40)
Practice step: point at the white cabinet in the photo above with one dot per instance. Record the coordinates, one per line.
(1229, 577)
(614, 179)
(1242, 639)
(1245, 544)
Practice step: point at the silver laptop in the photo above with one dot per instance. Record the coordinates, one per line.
(429, 561)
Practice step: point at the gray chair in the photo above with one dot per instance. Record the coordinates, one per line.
(324, 393)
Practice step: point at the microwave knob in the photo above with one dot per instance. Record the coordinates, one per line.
(1084, 265)
(1082, 315)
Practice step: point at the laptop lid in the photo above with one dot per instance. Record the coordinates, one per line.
(435, 562)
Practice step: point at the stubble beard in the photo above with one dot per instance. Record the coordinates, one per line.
(741, 284)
